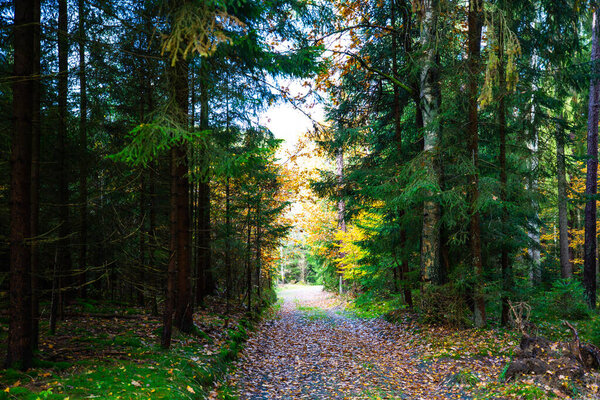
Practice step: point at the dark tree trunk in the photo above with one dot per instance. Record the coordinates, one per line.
(589, 258)
(504, 256)
(400, 273)
(228, 283)
(19, 351)
(184, 311)
(258, 251)
(341, 206)
(566, 268)
(64, 231)
(172, 266)
(474, 49)
(142, 237)
(35, 176)
(248, 259)
(82, 154)
(152, 231)
(205, 278)
(141, 275)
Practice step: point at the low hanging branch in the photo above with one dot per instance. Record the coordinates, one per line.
(198, 28)
(374, 70)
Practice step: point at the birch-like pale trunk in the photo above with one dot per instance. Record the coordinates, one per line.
(535, 273)
(566, 268)
(430, 100)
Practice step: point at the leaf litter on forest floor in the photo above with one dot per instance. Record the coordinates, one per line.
(94, 355)
(312, 349)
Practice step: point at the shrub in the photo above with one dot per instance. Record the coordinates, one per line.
(443, 305)
(565, 300)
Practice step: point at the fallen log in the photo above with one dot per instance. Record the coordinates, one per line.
(106, 316)
(557, 364)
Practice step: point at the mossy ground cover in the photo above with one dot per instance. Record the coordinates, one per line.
(121, 358)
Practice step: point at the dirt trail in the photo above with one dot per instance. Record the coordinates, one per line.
(313, 349)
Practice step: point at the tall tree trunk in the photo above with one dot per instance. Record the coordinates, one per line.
(35, 175)
(258, 251)
(183, 312)
(474, 49)
(82, 154)
(572, 224)
(535, 274)
(430, 104)
(228, 277)
(64, 255)
(566, 268)
(141, 275)
(19, 351)
(506, 267)
(341, 208)
(204, 268)
(248, 259)
(152, 230)
(589, 259)
(401, 272)
(172, 266)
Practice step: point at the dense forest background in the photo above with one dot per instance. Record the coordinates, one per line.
(453, 162)
(455, 175)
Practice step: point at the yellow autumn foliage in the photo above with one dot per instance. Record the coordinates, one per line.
(350, 253)
(549, 236)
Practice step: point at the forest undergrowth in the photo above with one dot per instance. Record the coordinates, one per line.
(99, 353)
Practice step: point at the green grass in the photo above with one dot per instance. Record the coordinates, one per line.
(367, 307)
(516, 390)
(376, 393)
(312, 313)
(148, 372)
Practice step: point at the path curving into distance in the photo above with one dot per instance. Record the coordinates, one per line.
(313, 349)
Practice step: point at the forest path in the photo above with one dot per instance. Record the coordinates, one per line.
(314, 349)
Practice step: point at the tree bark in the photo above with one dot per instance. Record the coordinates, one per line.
(183, 312)
(141, 275)
(566, 268)
(64, 251)
(474, 49)
(258, 250)
(535, 274)
(203, 259)
(589, 259)
(505, 265)
(35, 175)
(82, 154)
(430, 102)
(172, 266)
(248, 259)
(19, 351)
(339, 158)
(401, 272)
(228, 277)
(152, 230)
